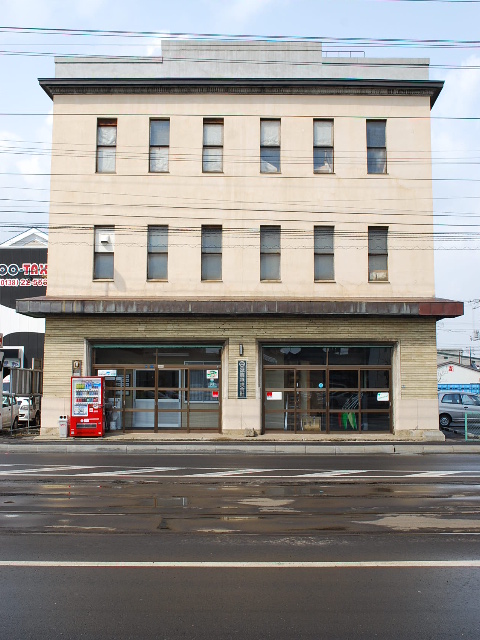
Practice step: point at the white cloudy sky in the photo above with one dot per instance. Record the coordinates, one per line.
(456, 143)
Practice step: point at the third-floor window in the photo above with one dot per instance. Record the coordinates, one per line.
(323, 146)
(212, 154)
(159, 145)
(270, 146)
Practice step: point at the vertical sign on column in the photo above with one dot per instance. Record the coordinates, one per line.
(242, 379)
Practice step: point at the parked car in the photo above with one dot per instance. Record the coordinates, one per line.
(452, 407)
(10, 411)
(29, 410)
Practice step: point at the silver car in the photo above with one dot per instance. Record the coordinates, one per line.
(453, 405)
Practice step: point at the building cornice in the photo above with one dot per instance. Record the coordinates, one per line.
(399, 307)
(271, 86)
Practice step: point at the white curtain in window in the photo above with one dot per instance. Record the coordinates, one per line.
(106, 136)
(323, 133)
(213, 134)
(159, 159)
(270, 133)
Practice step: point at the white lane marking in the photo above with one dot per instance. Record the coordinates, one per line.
(126, 472)
(432, 474)
(41, 470)
(333, 474)
(246, 565)
(232, 472)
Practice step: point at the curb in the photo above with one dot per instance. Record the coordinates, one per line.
(232, 448)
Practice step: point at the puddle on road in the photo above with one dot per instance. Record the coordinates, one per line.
(418, 522)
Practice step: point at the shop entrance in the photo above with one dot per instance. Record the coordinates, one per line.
(181, 396)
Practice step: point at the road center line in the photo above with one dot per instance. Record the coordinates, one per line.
(246, 565)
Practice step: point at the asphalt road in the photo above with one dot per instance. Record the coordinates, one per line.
(186, 546)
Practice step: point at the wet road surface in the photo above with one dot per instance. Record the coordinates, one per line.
(366, 546)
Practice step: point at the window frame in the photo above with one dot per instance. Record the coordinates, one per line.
(264, 148)
(155, 251)
(325, 148)
(103, 123)
(158, 146)
(97, 231)
(212, 250)
(375, 252)
(371, 160)
(206, 147)
(265, 228)
(324, 251)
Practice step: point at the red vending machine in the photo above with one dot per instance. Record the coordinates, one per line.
(88, 416)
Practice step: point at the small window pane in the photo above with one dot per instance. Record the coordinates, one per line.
(159, 160)
(157, 266)
(323, 239)
(323, 133)
(212, 160)
(211, 240)
(377, 241)
(159, 132)
(269, 239)
(270, 133)
(377, 268)
(377, 161)
(213, 134)
(376, 134)
(106, 136)
(103, 267)
(106, 159)
(324, 267)
(269, 160)
(270, 266)
(212, 266)
(158, 239)
(322, 160)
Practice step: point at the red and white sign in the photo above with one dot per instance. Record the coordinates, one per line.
(214, 394)
(450, 368)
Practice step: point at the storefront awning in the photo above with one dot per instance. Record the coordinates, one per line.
(397, 307)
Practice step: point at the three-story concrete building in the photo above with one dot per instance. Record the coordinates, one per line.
(242, 235)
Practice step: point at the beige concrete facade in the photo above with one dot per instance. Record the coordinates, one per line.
(241, 199)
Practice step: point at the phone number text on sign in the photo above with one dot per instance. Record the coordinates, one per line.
(23, 282)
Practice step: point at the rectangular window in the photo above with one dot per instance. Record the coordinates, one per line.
(157, 253)
(159, 145)
(212, 156)
(377, 254)
(106, 145)
(270, 252)
(323, 253)
(211, 253)
(104, 252)
(376, 146)
(323, 146)
(270, 146)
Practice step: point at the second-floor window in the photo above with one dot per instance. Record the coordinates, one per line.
(376, 146)
(270, 252)
(104, 238)
(270, 146)
(159, 145)
(106, 145)
(323, 146)
(211, 252)
(323, 253)
(377, 254)
(157, 253)
(212, 154)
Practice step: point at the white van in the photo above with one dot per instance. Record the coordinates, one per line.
(10, 412)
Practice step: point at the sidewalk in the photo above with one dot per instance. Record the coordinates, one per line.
(128, 444)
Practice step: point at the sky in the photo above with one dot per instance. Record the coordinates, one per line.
(25, 120)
